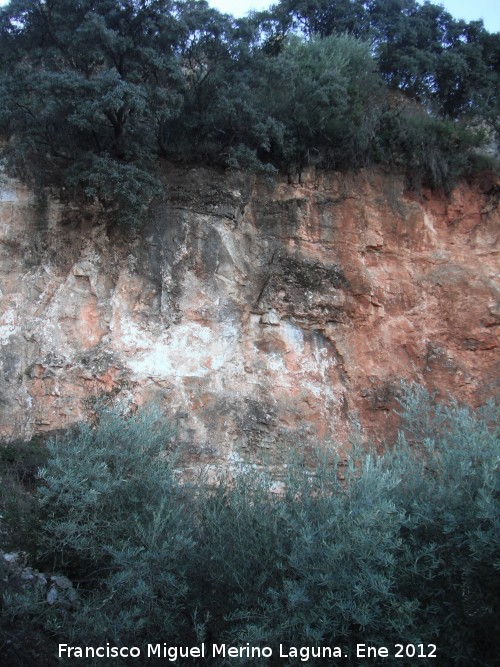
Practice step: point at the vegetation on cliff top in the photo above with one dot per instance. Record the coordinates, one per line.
(93, 93)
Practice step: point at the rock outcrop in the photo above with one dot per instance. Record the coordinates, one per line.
(261, 315)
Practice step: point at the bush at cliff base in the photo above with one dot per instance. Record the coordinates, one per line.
(404, 549)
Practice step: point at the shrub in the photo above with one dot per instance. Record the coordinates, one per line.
(448, 461)
(111, 517)
(430, 151)
(403, 548)
(19, 463)
(333, 579)
(117, 522)
(92, 95)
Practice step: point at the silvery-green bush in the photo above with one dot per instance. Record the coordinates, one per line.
(403, 547)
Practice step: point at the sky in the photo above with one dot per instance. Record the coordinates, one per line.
(488, 10)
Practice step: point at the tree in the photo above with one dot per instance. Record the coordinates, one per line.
(94, 94)
(87, 85)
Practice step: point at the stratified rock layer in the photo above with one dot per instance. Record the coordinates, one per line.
(260, 315)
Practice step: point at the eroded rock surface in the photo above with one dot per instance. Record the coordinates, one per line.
(258, 314)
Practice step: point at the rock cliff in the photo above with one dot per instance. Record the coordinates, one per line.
(259, 314)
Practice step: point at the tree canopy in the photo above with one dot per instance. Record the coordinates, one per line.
(94, 92)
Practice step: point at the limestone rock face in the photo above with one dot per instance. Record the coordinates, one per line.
(259, 314)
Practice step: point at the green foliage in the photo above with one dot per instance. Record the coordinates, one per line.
(19, 463)
(113, 518)
(404, 546)
(21, 459)
(307, 105)
(124, 190)
(94, 489)
(449, 460)
(421, 49)
(332, 579)
(86, 86)
(431, 151)
(93, 94)
(328, 95)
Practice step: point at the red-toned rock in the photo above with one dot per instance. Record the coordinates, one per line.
(259, 314)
